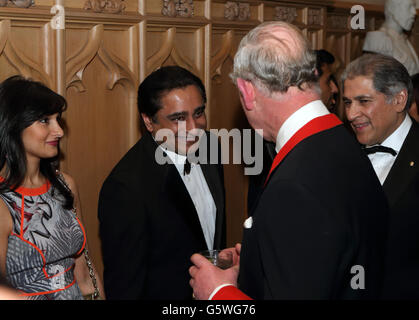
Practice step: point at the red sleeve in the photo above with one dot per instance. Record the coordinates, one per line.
(230, 293)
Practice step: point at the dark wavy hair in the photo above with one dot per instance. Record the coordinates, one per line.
(323, 57)
(160, 82)
(22, 102)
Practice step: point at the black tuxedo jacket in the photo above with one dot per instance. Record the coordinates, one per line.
(256, 182)
(322, 213)
(402, 189)
(149, 226)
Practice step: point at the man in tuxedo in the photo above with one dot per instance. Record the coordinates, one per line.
(319, 228)
(377, 96)
(156, 208)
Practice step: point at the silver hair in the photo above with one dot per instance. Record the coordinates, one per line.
(388, 75)
(274, 64)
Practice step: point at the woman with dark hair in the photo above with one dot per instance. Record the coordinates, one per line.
(41, 236)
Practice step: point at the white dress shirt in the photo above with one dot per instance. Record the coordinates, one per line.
(200, 194)
(298, 119)
(381, 161)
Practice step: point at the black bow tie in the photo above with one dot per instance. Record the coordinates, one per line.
(187, 167)
(375, 149)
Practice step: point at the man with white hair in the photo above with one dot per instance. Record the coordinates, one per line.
(318, 230)
(391, 39)
(377, 95)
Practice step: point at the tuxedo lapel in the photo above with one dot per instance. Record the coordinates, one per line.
(405, 168)
(179, 196)
(171, 186)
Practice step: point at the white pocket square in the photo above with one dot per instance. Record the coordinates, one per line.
(248, 223)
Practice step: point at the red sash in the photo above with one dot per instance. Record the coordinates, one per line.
(312, 127)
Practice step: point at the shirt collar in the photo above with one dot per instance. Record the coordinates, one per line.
(298, 119)
(176, 158)
(396, 139)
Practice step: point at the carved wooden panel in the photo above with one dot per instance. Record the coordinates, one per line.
(235, 11)
(357, 42)
(336, 44)
(226, 112)
(292, 13)
(315, 16)
(181, 46)
(315, 37)
(108, 6)
(23, 57)
(336, 35)
(101, 118)
(287, 14)
(338, 22)
(176, 8)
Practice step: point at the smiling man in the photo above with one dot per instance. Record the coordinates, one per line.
(154, 216)
(377, 96)
(185, 124)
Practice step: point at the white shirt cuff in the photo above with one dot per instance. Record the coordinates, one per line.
(218, 289)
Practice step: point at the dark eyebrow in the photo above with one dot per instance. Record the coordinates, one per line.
(361, 97)
(177, 114)
(185, 113)
(200, 108)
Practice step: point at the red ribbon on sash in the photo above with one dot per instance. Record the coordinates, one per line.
(312, 127)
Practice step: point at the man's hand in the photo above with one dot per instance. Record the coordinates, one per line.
(236, 253)
(205, 277)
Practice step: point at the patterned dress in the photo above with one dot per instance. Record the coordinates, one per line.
(41, 248)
